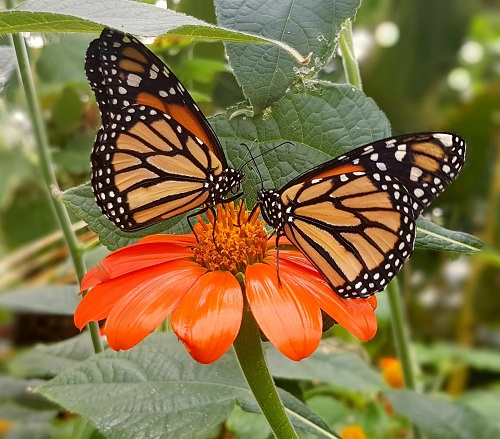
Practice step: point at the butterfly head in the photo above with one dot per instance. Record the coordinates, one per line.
(234, 177)
(228, 181)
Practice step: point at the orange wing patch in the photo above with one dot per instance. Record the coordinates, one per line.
(134, 54)
(187, 119)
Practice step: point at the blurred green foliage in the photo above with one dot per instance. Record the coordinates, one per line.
(442, 72)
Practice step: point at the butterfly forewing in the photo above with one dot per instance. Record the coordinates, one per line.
(156, 155)
(354, 217)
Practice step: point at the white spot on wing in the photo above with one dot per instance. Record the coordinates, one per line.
(446, 139)
(415, 173)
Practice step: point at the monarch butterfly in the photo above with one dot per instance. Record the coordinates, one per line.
(354, 216)
(156, 156)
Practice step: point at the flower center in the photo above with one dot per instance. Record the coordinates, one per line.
(231, 240)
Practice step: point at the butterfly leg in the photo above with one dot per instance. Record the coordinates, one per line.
(278, 259)
(193, 215)
(200, 212)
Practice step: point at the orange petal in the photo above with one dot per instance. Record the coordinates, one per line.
(355, 315)
(186, 240)
(99, 301)
(134, 257)
(288, 316)
(143, 308)
(208, 317)
(295, 256)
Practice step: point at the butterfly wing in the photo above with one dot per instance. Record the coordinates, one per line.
(122, 72)
(156, 155)
(149, 168)
(354, 216)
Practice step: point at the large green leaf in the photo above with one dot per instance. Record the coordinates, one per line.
(328, 365)
(157, 390)
(46, 361)
(129, 16)
(311, 26)
(440, 419)
(321, 122)
(46, 299)
(20, 391)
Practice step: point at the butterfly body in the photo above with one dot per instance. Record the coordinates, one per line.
(354, 216)
(156, 156)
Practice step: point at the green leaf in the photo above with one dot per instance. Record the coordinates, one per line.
(311, 26)
(246, 425)
(345, 370)
(477, 358)
(46, 361)
(321, 122)
(74, 158)
(485, 402)
(157, 390)
(62, 58)
(441, 419)
(430, 236)
(46, 299)
(331, 410)
(202, 70)
(67, 111)
(128, 16)
(20, 391)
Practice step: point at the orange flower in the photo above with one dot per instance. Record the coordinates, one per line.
(392, 372)
(353, 432)
(204, 286)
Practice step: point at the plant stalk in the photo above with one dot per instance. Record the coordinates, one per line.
(248, 347)
(402, 341)
(349, 61)
(47, 168)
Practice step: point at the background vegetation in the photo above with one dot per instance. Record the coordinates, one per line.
(429, 66)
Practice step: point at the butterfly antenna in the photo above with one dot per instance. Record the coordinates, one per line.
(252, 158)
(249, 153)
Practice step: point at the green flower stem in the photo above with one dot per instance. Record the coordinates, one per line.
(402, 340)
(47, 168)
(401, 336)
(349, 61)
(248, 347)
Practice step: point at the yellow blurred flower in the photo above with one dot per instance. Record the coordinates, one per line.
(392, 372)
(353, 431)
(5, 426)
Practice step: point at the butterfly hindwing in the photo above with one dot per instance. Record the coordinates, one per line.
(146, 171)
(354, 216)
